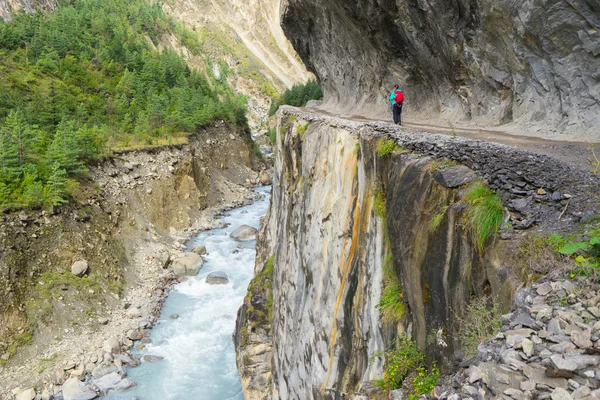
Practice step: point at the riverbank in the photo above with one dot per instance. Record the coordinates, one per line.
(152, 203)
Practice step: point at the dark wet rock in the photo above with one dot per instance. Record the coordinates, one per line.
(455, 176)
(152, 358)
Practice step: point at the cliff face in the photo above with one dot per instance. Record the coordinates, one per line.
(343, 211)
(7, 7)
(534, 63)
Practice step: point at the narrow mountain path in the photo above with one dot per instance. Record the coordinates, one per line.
(574, 153)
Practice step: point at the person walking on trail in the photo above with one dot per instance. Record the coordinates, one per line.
(392, 101)
(397, 98)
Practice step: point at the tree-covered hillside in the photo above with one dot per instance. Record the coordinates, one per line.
(91, 77)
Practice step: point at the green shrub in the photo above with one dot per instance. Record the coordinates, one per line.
(484, 215)
(387, 147)
(425, 380)
(400, 361)
(303, 128)
(391, 304)
(297, 96)
(478, 324)
(379, 205)
(272, 135)
(585, 252)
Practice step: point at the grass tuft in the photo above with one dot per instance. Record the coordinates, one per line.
(437, 220)
(485, 214)
(479, 324)
(379, 205)
(387, 147)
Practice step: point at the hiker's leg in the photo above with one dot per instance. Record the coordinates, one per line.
(400, 114)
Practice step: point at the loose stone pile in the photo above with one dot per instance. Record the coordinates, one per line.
(549, 347)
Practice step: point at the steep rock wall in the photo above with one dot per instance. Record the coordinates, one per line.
(7, 7)
(310, 326)
(534, 63)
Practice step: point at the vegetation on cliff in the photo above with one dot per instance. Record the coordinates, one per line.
(297, 96)
(484, 214)
(88, 78)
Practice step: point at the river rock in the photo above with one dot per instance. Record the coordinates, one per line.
(244, 233)
(188, 265)
(164, 260)
(135, 335)
(111, 382)
(102, 370)
(74, 389)
(455, 176)
(200, 250)
(133, 312)
(111, 345)
(151, 358)
(217, 278)
(79, 268)
(264, 178)
(27, 394)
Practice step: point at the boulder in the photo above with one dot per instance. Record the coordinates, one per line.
(74, 389)
(133, 312)
(199, 249)
(151, 358)
(135, 334)
(187, 265)
(164, 260)
(79, 268)
(244, 233)
(264, 178)
(217, 278)
(27, 394)
(102, 370)
(111, 382)
(111, 345)
(313, 103)
(455, 176)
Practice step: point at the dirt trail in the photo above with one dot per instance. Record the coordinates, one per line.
(574, 153)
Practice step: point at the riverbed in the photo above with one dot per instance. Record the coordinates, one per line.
(194, 332)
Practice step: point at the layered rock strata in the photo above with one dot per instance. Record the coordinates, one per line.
(341, 206)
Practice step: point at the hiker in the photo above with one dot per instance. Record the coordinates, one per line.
(392, 100)
(397, 98)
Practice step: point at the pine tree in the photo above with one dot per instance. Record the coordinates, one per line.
(65, 149)
(9, 157)
(55, 191)
(4, 194)
(20, 133)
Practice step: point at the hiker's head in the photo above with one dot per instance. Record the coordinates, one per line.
(396, 86)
